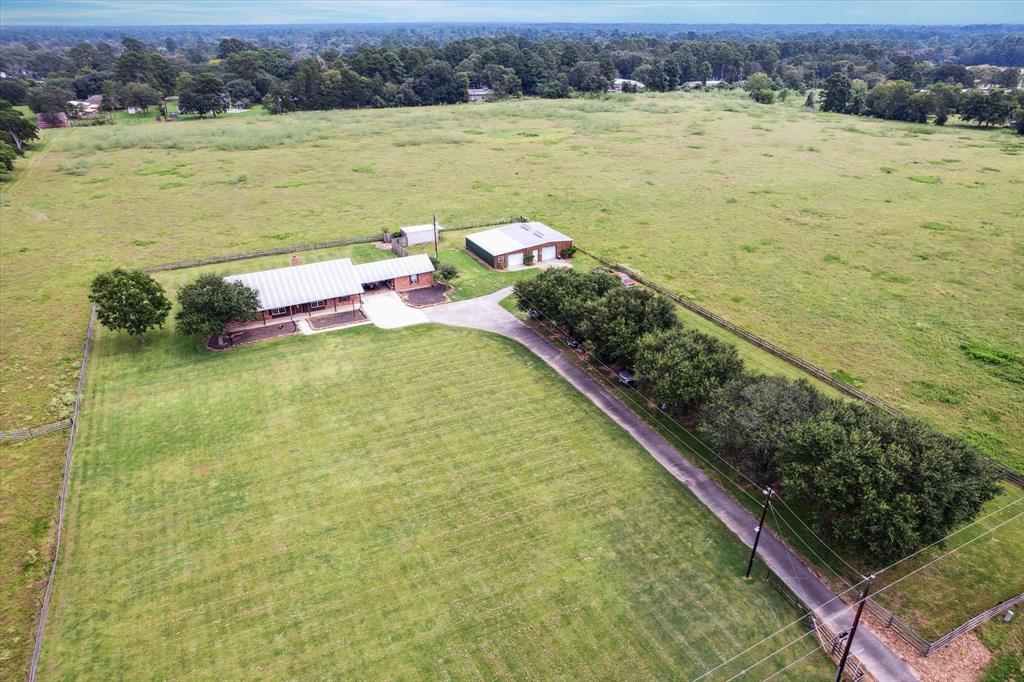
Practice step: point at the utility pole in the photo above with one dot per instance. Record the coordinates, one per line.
(436, 257)
(757, 538)
(853, 628)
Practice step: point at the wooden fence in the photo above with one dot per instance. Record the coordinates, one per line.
(311, 246)
(33, 432)
(795, 360)
(44, 608)
(920, 644)
(829, 640)
(905, 631)
(490, 223)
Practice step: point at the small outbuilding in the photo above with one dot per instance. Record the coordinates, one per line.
(626, 85)
(509, 247)
(480, 94)
(420, 234)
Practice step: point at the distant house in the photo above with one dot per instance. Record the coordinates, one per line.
(420, 234)
(480, 94)
(507, 247)
(625, 85)
(331, 286)
(712, 82)
(57, 119)
(83, 107)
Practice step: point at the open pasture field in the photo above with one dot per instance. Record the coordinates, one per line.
(426, 502)
(888, 253)
(891, 254)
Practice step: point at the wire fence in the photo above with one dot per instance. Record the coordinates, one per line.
(44, 607)
(35, 431)
(1001, 469)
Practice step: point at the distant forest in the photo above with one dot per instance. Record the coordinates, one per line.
(287, 68)
(998, 45)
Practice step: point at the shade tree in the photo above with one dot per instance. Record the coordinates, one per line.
(680, 367)
(209, 302)
(130, 301)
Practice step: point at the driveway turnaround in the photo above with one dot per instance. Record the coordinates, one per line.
(387, 311)
(485, 313)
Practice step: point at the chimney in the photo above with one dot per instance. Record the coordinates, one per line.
(295, 260)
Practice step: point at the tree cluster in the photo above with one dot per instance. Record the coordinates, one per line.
(401, 67)
(878, 485)
(16, 132)
(899, 100)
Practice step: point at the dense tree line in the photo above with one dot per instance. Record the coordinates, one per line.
(875, 484)
(393, 69)
(900, 100)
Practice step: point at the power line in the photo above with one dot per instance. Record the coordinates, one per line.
(690, 448)
(744, 476)
(943, 539)
(779, 672)
(952, 551)
(772, 654)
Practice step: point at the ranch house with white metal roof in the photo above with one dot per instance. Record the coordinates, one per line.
(330, 286)
(512, 246)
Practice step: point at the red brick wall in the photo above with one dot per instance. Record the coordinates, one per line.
(344, 303)
(501, 262)
(403, 283)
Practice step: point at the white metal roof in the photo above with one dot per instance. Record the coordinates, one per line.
(297, 284)
(416, 229)
(516, 237)
(389, 268)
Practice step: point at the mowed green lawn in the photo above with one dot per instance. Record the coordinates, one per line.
(427, 502)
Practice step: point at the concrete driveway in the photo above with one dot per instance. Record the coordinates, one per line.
(387, 311)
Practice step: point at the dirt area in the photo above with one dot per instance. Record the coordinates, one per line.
(427, 296)
(961, 661)
(225, 341)
(336, 320)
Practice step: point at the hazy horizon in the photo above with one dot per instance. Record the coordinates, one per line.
(115, 13)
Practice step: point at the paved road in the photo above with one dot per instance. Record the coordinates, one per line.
(485, 313)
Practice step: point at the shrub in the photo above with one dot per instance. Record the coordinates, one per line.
(568, 252)
(446, 272)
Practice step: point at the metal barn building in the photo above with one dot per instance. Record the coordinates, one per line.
(506, 247)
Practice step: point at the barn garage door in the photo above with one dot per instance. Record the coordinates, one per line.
(548, 253)
(515, 260)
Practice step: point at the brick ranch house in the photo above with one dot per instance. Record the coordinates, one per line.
(329, 286)
(506, 247)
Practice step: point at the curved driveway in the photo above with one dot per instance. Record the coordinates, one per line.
(485, 313)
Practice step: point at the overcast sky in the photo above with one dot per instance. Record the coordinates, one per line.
(137, 12)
